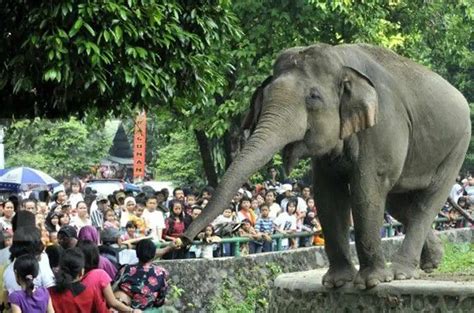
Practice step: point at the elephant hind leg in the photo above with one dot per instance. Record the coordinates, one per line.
(432, 253)
(417, 217)
(421, 208)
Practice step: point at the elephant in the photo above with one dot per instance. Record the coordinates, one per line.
(383, 133)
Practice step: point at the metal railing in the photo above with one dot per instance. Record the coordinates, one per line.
(236, 242)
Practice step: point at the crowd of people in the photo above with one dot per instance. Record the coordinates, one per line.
(76, 249)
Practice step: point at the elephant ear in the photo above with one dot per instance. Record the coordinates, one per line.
(359, 103)
(250, 121)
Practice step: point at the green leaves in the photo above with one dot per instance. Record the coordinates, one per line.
(76, 27)
(113, 55)
(60, 148)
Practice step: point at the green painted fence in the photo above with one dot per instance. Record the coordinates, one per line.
(389, 231)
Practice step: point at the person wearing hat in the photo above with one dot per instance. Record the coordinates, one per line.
(286, 190)
(110, 248)
(97, 215)
(67, 236)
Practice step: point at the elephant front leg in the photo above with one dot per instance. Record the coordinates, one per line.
(367, 213)
(332, 199)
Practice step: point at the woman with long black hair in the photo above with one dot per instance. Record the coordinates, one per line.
(175, 226)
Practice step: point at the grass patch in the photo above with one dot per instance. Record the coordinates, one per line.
(458, 258)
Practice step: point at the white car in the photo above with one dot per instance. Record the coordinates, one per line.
(158, 185)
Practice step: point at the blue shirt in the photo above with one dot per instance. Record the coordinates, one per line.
(264, 225)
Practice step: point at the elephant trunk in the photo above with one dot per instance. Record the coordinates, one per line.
(269, 137)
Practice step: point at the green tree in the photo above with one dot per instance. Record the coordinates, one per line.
(439, 35)
(178, 160)
(67, 57)
(59, 148)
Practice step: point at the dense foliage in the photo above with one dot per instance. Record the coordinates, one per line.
(198, 62)
(59, 148)
(178, 159)
(67, 57)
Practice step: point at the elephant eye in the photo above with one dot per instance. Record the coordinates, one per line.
(313, 97)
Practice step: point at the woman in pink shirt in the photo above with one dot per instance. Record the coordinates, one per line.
(98, 279)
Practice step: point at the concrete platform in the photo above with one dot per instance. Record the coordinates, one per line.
(303, 292)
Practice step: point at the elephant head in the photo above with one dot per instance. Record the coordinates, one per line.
(313, 101)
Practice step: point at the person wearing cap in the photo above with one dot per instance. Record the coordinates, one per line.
(67, 236)
(110, 245)
(286, 190)
(97, 216)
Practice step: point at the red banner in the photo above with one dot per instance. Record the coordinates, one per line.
(139, 147)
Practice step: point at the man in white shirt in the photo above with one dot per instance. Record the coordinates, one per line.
(154, 218)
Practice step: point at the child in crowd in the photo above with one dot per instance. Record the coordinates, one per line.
(64, 219)
(210, 241)
(286, 222)
(191, 200)
(225, 217)
(110, 219)
(138, 219)
(52, 222)
(245, 212)
(130, 231)
(255, 207)
(265, 226)
(311, 223)
(246, 230)
(29, 298)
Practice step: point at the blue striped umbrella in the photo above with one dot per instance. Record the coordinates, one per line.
(15, 178)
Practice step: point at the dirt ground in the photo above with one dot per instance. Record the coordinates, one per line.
(447, 276)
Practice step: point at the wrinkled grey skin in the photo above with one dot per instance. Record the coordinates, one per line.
(383, 133)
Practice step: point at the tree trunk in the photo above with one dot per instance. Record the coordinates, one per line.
(207, 161)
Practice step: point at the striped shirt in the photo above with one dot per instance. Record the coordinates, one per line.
(97, 218)
(264, 225)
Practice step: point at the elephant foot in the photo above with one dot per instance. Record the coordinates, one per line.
(370, 277)
(431, 255)
(336, 277)
(402, 271)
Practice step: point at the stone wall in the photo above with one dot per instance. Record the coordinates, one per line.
(303, 292)
(203, 279)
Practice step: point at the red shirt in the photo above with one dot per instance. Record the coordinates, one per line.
(85, 301)
(178, 228)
